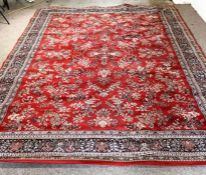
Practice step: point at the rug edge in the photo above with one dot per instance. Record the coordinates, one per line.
(107, 163)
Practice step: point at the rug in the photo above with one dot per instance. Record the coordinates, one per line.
(117, 85)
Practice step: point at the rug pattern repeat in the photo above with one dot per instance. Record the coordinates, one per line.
(119, 84)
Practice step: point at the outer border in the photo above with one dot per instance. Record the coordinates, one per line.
(108, 163)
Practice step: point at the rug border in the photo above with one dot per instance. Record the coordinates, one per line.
(107, 163)
(191, 34)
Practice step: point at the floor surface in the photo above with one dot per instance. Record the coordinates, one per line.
(19, 16)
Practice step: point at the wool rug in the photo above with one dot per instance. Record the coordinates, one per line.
(117, 85)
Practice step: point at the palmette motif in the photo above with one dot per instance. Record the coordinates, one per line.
(96, 82)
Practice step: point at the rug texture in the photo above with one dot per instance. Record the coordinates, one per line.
(118, 85)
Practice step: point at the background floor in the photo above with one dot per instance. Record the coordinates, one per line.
(19, 16)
